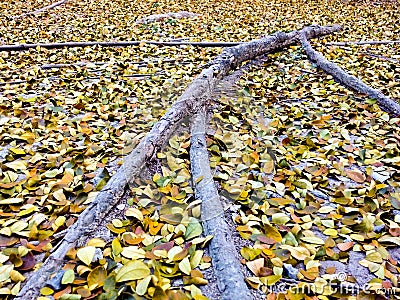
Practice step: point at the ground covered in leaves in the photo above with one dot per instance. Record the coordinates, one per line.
(308, 170)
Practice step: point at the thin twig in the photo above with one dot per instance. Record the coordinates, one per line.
(42, 9)
(381, 57)
(82, 64)
(362, 43)
(23, 47)
(54, 78)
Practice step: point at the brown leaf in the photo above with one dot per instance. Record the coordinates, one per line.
(255, 265)
(28, 262)
(345, 246)
(356, 175)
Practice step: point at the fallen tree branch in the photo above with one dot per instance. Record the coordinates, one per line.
(83, 64)
(387, 104)
(363, 43)
(196, 96)
(42, 9)
(23, 47)
(172, 15)
(230, 278)
(55, 78)
(382, 57)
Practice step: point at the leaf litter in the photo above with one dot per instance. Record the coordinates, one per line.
(309, 173)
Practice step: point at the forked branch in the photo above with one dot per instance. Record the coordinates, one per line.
(196, 96)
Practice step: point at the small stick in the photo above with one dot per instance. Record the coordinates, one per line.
(23, 47)
(42, 9)
(362, 43)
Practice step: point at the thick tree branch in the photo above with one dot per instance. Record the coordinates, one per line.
(387, 104)
(196, 96)
(230, 277)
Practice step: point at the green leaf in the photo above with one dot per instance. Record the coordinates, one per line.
(193, 229)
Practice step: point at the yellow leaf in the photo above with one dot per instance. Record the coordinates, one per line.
(86, 254)
(313, 240)
(200, 178)
(116, 247)
(272, 233)
(141, 287)
(96, 277)
(68, 277)
(133, 270)
(134, 212)
(16, 165)
(184, 266)
(299, 253)
(11, 201)
(46, 291)
(5, 271)
(96, 242)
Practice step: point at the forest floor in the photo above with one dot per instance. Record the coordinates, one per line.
(308, 171)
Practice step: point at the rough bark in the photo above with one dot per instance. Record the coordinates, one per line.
(42, 9)
(159, 17)
(230, 278)
(363, 43)
(198, 93)
(387, 104)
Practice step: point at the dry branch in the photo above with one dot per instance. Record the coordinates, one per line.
(382, 57)
(85, 63)
(387, 104)
(42, 9)
(172, 15)
(226, 265)
(55, 78)
(198, 93)
(23, 47)
(363, 43)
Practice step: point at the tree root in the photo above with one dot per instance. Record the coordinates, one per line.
(172, 15)
(231, 280)
(196, 96)
(387, 104)
(42, 9)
